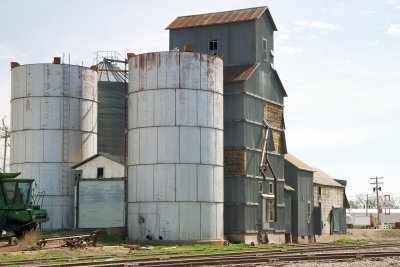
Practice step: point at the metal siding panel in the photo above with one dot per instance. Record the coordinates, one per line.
(75, 146)
(186, 107)
(52, 148)
(205, 109)
(35, 81)
(219, 146)
(50, 113)
(162, 70)
(31, 112)
(164, 107)
(107, 196)
(189, 70)
(173, 59)
(207, 146)
(186, 182)
(164, 182)
(56, 80)
(203, 72)
(75, 111)
(134, 75)
(218, 184)
(168, 145)
(168, 226)
(211, 74)
(132, 184)
(218, 112)
(220, 221)
(205, 183)
(145, 184)
(145, 108)
(133, 146)
(148, 72)
(132, 111)
(208, 218)
(148, 145)
(34, 146)
(189, 221)
(219, 76)
(189, 145)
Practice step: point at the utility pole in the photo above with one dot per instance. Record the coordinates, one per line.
(376, 188)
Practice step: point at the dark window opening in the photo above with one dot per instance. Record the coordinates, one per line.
(265, 49)
(100, 172)
(271, 188)
(213, 47)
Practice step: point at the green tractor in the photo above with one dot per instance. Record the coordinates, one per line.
(17, 212)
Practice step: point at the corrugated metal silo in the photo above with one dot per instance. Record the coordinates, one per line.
(175, 147)
(112, 107)
(53, 126)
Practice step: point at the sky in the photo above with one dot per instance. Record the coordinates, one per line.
(338, 60)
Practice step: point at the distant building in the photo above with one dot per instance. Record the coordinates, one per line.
(329, 196)
(253, 92)
(100, 193)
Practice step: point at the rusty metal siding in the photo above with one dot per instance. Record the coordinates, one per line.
(225, 17)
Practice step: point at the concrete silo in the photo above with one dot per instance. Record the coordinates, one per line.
(175, 147)
(53, 126)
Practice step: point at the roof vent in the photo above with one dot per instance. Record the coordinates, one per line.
(57, 60)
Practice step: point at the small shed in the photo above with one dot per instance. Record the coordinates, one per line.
(299, 176)
(100, 193)
(329, 197)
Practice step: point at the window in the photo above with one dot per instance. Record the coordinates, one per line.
(309, 211)
(17, 192)
(319, 193)
(270, 211)
(100, 172)
(271, 188)
(265, 49)
(213, 47)
(260, 187)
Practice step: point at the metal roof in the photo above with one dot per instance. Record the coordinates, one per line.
(106, 155)
(288, 188)
(298, 163)
(239, 73)
(216, 18)
(109, 72)
(322, 178)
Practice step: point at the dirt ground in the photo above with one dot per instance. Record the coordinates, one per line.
(372, 234)
(354, 234)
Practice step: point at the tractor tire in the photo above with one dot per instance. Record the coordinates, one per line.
(20, 232)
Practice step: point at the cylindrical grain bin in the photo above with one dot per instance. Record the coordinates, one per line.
(175, 147)
(111, 85)
(53, 126)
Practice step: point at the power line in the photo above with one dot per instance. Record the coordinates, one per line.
(376, 189)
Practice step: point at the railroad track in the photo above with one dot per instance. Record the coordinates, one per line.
(184, 258)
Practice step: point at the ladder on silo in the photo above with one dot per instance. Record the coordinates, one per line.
(265, 163)
(65, 184)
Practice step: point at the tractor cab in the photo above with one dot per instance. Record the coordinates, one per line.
(17, 213)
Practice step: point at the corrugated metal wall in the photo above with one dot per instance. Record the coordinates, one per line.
(101, 196)
(111, 118)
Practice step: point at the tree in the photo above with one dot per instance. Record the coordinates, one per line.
(4, 134)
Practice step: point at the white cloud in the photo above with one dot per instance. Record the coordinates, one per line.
(315, 25)
(284, 36)
(393, 29)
